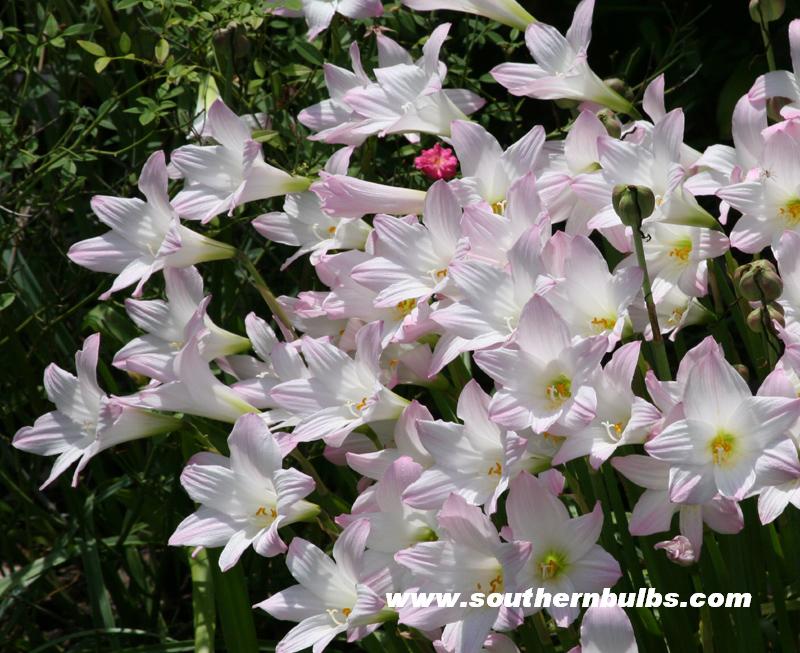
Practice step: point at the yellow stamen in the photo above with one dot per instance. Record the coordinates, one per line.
(495, 470)
(499, 208)
(791, 212)
(721, 448)
(559, 390)
(405, 307)
(681, 250)
(600, 324)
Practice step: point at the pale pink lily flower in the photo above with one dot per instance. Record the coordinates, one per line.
(543, 378)
(769, 204)
(275, 363)
(507, 12)
(488, 171)
(592, 300)
(468, 557)
(679, 550)
(621, 418)
(332, 596)
(437, 163)
(195, 389)
(475, 460)
(319, 13)
(727, 439)
(165, 323)
(561, 70)
(677, 255)
(218, 178)
(564, 554)
(782, 83)
(606, 629)
(245, 498)
(654, 510)
(482, 319)
(394, 524)
(304, 224)
(145, 237)
(491, 234)
(774, 499)
(406, 441)
(407, 97)
(411, 259)
(86, 420)
(348, 197)
(674, 308)
(402, 321)
(341, 393)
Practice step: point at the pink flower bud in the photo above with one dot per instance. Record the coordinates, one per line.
(679, 550)
(437, 163)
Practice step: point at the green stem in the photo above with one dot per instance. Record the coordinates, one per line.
(766, 39)
(266, 294)
(659, 351)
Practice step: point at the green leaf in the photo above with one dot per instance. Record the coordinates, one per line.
(203, 602)
(308, 52)
(233, 606)
(162, 50)
(6, 299)
(92, 48)
(101, 63)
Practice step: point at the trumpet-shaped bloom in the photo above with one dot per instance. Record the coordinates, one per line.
(544, 378)
(145, 236)
(564, 554)
(349, 197)
(341, 393)
(407, 97)
(592, 300)
(622, 418)
(331, 597)
(394, 524)
(469, 557)
(654, 510)
(218, 178)
(482, 319)
(561, 70)
(245, 498)
(412, 259)
(770, 205)
(165, 323)
(487, 170)
(196, 390)
(475, 460)
(508, 12)
(727, 438)
(86, 420)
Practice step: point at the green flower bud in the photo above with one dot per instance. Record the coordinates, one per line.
(610, 122)
(774, 314)
(633, 204)
(759, 281)
(769, 10)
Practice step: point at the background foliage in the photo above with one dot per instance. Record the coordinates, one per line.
(87, 91)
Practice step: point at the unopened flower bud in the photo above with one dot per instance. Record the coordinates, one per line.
(633, 204)
(755, 319)
(769, 10)
(679, 550)
(618, 86)
(759, 281)
(610, 122)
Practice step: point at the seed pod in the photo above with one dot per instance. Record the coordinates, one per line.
(774, 314)
(610, 122)
(618, 86)
(633, 204)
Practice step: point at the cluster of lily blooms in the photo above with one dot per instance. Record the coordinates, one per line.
(492, 266)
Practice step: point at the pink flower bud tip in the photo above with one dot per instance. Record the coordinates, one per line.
(437, 163)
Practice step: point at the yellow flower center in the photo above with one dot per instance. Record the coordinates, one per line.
(361, 404)
(676, 316)
(405, 307)
(266, 515)
(600, 324)
(495, 585)
(790, 212)
(681, 250)
(496, 469)
(499, 208)
(440, 274)
(345, 612)
(558, 390)
(722, 448)
(551, 565)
